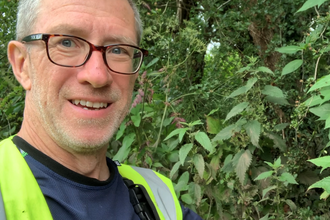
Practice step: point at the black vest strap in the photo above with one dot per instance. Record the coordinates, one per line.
(142, 203)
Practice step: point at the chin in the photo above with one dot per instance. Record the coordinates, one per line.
(89, 143)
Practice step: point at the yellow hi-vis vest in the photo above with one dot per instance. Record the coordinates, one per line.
(21, 197)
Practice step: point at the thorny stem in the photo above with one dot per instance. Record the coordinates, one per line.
(183, 96)
(321, 35)
(208, 215)
(165, 8)
(223, 4)
(303, 71)
(162, 122)
(317, 64)
(317, 12)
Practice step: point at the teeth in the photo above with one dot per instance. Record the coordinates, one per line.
(89, 104)
(97, 105)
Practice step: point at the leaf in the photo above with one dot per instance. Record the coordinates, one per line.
(311, 3)
(136, 120)
(204, 140)
(121, 131)
(291, 204)
(175, 168)
(277, 163)
(325, 49)
(215, 161)
(288, 49)
(199, 164)
(152, 62)
(225, 133)
(265, 69)
(276, 100)
(327, 123)
(324, 184)
(265, 191)
(123, 152)
(322, 111)
(236, 110)
(181, 134)
(287, 177)
(323, 162)
(250, 83)
(280, 127)
(243, 164)
(198, 122)
(184, 178)
(239, 124)
(227, 165)
(264, 175)
(266, 217)
(212, 125)
(253, 129)
(182, 184)
(313, 101)
(319, 99)
(196, 189)
(324, 195)
(243, 89)
(183, 152)
(237, 92)
(213, 111)
(175, 132)
(186, 198)
(292, 66)
(272, 91)
(278, 141)
(243, 69)
(323, 82)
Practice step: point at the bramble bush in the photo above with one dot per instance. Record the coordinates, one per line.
(230, 105)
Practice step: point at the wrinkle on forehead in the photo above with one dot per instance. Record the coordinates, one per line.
(117, 16)
(90, 9)
(82, 32)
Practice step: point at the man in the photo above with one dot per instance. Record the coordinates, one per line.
(77, 94)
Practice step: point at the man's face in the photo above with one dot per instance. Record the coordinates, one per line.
(60, 96)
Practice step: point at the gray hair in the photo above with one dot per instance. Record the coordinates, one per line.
(28, 11)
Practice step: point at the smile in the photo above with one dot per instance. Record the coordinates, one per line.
(87, 105)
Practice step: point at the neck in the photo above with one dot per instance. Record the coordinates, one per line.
(92, 165)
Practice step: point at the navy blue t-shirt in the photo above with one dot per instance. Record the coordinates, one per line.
(72, 196)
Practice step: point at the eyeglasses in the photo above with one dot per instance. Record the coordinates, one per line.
(70, 51)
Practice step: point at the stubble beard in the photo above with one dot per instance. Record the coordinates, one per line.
(59, 130)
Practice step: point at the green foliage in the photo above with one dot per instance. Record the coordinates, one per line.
(11, 95)
(229, 105)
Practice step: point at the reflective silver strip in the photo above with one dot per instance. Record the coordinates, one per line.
(162, 193)
(2, 209)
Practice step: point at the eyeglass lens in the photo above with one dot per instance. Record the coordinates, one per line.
(71, 51)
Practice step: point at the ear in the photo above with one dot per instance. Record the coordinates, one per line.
(17, 56)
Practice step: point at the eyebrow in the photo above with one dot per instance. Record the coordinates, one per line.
(72, 30)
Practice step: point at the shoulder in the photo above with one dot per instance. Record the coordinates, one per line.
(188, 214)
(160, 189)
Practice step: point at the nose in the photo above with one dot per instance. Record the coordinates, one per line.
(95, 72)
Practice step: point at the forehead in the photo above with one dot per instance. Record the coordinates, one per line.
(98, 20)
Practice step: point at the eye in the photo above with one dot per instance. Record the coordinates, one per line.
(67, 43)
(116, 50)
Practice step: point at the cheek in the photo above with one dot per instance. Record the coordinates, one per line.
(125, 83)
(48, 83)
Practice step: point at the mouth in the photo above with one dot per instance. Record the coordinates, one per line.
(88, 105)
